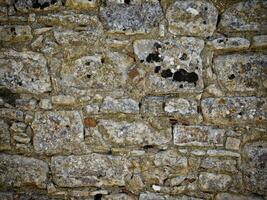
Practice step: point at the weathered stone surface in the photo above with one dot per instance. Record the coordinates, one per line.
(197, 136)
(192, 17)
(123, 133)
(38, 4)
(227, 196)
(230, 44)
(245, 16)
(82, 4)
(111, 105)
(57, 132)
(118, 197)
(63, 100)
(133, 18)
(90, 170)
(254, 167)
(235, 110)
(152, 105)
(12, 114)
(219, 164)
(222, 153)
(6, 195)
(4, 136)
(173, 65)
(170, 158)
(15, 33)
(241, 72)
(19, 171)
(156, 196)
(232, 143)
(259, 41)
(214, 182)
(24, 71)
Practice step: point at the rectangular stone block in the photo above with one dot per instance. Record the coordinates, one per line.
(15, 33)
(217, 164)
(235, 110)
(57, 132)
(89, 170)
(197, 136)
(19, 171)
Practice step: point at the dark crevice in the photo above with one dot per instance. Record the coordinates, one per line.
(183, 75)
(231, 77)
(98, 197)
(166, 73)
(153, 57)
(157, 69)
(8, 96)
(218, 20)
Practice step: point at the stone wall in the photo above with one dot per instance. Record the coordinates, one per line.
(133, 99)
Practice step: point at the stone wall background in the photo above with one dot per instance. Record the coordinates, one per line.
(133, 99)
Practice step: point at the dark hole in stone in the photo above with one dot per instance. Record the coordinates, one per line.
(157, 69)
(139, 105)
(87, 63)
(173, 121)
(157, 45)
(124, 29)
(218, 20)
(141, 61)
(53, 1)
(20, 83)
(98, 197)
(153, 57)
(102, 60)
(8, 96)
(127, 2)
(35, 4)
(198, 109)
(231, 77)
(148, 146)
(88, 75)
(262, 165)
(206, 8)
(46, 4)
(166, 73)
(240, 113)
(13, 30)
(183, 57)
(204, 22)
(181, 86)
(67, 126)
(183, 75)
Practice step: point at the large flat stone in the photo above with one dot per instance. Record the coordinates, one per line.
(57, 132)
(19, 171)
(192, 17)
(24, 71)
(241, 72)
(219, 164)
(235, 110)
(89, 170)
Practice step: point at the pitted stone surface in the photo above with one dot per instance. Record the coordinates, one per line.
(82, 4)
(90, 170)
(180, 64)
(227, 196)
(197, 136)
(112, 133)
(192, 17)
(170, 158)
(19, 171)
(57, 132)
(26, 5)
(133, 18)
(15, 33)
(241, 72)
(230, 44)
(235, 110)
(219, 164)
(245, 16)
(4, 136)
(24, 71)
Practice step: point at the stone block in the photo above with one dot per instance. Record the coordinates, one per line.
(4, 136)
(15, 33)
(229, 44)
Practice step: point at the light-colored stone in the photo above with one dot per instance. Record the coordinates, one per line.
(89, 170)
(222, 153)
(219, 164)
(230, 44)
(232, 143)
(227, 196)
(46, 104)
(15, 33)
(82, 4)
(170, 158)
(259, 41)
(63, 100)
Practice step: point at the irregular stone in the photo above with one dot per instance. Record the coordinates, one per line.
(156, 196)
(89, 170)
(92, 108)
(219, 164)
(39, 4)
(192, 17)
(197, 136)
(19, 171)
(254, 167)
(24, 71)
(4, 136)
(229, 44)
(12, 114)
(227, 196)
(26, 104)
(222, 153)
(82, 4)
(177, 180)
(123, 133)
(45, 104)
(170, 158)
(121, 196)
(241, 72)
(235, 110)
(152, 106)
(232, 143)
(111, 105)
(214, 90)
(15, 33)
(63, 100)
(245, 16)
(214, 182)
(6, 195)
(259, 41)
(173, 65)
(57, 132)
(133, 18)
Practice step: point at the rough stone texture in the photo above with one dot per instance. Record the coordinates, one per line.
(89, 170)
(230, 44)
(4, 136)
(24, 71)
(259, 41)
(226, 196)
(192, 17)
(57, 132)
(19, 171)
(219, 164)
(15, 33)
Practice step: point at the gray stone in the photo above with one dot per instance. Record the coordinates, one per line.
(26, 104)
(180, 61)
(4, 136)
(214, 182)
(24, 71)
(82, 4)
(152, 105)
(197, 136)
(235, 110)
(232, 143)
(133, 18)
(245, 16)
(219, 164)
(192, 17)
(15, 33)
(170, 158)
(227, 196)
(259, 41)
(46, 104)
(254, 167)
(27, 5)
(222, 153)
(63, 100)
(123, 133)
(57, 132)
(19, 171)
(89, 170)
(121, 196)
(111, 105)
(12, 114)
(230, 44)
(6, 195)
(156, 196)
(241, 72)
